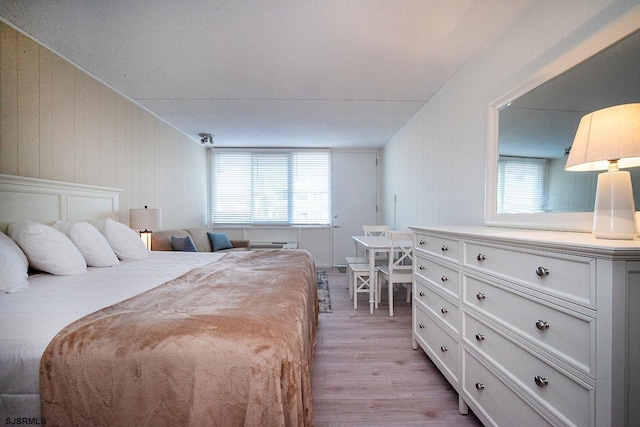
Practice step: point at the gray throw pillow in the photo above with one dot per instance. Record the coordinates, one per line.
(183, 244)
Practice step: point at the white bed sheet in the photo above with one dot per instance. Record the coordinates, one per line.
(30, 319)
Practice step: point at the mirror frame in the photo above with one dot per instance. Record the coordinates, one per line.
(563, 221)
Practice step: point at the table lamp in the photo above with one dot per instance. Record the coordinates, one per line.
(609, 139)
(145, 220)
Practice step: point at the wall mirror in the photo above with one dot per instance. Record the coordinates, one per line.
(531, 130)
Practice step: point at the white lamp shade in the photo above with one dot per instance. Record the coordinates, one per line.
(609, 139)
(145, 219)
(609, 134)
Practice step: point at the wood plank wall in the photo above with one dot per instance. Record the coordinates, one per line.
(58, 122)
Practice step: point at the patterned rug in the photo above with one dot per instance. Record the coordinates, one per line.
(324, 299)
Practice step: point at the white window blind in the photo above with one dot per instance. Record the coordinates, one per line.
(521, 185)
(271, 187)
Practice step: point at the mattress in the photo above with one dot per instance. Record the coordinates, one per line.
(30, 319)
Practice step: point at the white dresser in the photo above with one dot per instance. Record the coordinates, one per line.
(531, 327)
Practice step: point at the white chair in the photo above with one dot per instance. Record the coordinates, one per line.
(399, 268)
(353, 260)
(375, 230)
(359, 260)
(362, 281)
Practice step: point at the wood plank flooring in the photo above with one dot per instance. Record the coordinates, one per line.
(366, 373)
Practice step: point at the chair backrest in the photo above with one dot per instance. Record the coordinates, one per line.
(401, 250)
(375, 230)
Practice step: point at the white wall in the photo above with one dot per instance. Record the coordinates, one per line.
(569, 191)
(58, 122)
(436, 163)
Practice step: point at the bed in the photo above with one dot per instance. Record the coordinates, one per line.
(173, 339)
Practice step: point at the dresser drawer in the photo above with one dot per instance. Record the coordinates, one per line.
(567, 334)
(441, 347)
(570, 398)
(437, 245)
(439, 307)
(444, 277)
(566, 276)
(497, 403)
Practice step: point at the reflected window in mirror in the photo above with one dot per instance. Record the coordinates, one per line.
(521, 184)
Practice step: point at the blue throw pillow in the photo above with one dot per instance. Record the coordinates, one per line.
(183, 244)
(219, 241)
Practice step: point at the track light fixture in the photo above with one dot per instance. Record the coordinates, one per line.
(206, 138)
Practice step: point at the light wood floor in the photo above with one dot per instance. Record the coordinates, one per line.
(365, 372)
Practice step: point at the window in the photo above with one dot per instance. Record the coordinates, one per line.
(521, 185)
(271, 187)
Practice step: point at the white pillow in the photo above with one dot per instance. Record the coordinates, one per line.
(90, 242)
(124, 241)
(47, 249)
(13, 266)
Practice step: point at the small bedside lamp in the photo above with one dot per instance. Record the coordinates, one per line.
(145, 220)
(609, 139)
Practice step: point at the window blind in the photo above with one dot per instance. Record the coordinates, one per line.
(521, 185)
(271, 187)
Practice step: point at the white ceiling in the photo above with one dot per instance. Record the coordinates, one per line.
(315, 73)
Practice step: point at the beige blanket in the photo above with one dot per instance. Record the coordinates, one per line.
(227, 344)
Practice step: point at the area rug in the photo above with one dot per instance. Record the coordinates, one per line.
(324, 298)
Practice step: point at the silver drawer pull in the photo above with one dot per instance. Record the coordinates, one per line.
(444, 278)
(422, 267)
(444, 349)
(479, 337)
(542, 325)
(542, 272)
(421, 294)
(421, 326)
(541, 381)
(444, 248)
(479, 386)
(421, 242)
(480, 296)
(481, 257)
(444, 310)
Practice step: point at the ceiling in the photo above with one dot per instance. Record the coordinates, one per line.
(315, 73)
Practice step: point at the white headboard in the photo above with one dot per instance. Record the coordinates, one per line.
(46, 201)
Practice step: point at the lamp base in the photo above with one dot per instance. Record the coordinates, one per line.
(145, 235)
(614, 213)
